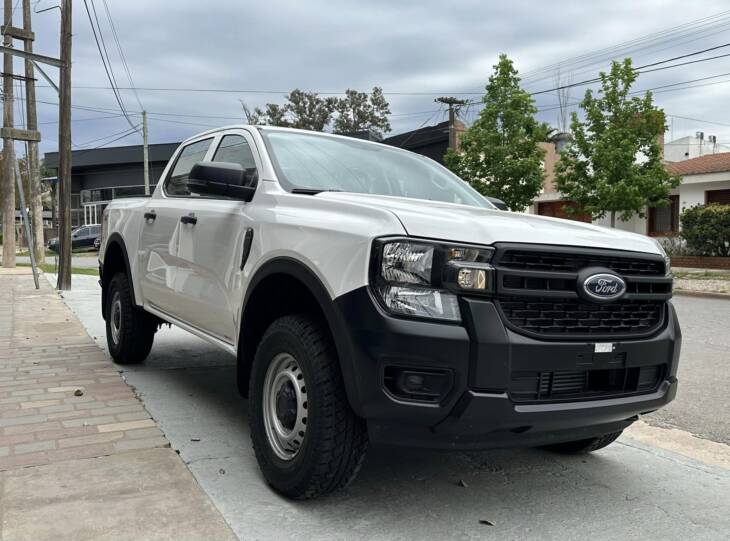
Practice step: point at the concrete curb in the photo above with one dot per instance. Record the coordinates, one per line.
(701, 294)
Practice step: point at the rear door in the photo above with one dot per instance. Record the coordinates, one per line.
(165, 242)
(218, 239)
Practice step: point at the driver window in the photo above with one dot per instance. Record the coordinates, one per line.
(177, 182)
(235, 149)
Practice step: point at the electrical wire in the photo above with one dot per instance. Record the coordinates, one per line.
(122, 56)
(110, 77)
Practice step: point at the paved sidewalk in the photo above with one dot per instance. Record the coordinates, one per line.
(80, 457)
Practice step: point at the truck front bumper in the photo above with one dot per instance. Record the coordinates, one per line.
(481, 403)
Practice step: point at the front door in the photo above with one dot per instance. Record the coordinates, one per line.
(218, 237)
(166, 242)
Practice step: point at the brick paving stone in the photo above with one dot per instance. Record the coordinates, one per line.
(45, 357)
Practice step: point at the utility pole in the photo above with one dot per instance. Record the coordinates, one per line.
(454, 105)
(33, 163)
(146, 154)
(64, 151)
(8, 169)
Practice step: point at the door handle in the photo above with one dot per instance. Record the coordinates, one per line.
(151, 215)
(191, 219)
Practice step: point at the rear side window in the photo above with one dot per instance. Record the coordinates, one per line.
(94, 230)
(235, 149)
(177, 182)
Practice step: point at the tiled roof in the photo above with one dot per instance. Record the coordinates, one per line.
(712, 163)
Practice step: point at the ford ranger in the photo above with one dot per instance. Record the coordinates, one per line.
(371, 296)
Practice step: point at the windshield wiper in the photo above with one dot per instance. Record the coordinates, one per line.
(313, 191)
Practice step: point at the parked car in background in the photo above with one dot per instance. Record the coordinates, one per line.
(87, 237)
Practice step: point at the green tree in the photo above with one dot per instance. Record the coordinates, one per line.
(358, 112)
(613, 164)
(355, 112)
(499, 154)
(304, 110)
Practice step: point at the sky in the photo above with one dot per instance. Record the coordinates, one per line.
(415, 51)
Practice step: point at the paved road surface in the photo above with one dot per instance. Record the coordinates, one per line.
(629, 490)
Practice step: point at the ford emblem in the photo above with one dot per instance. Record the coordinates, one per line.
(605, 287)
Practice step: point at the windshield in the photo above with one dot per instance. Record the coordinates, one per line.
(318, 162)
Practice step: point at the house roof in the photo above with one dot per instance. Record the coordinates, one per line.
(114, 156)
(711, 163)
(420, 137)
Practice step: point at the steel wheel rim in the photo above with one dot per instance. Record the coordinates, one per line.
(115, 318)
(284, 385)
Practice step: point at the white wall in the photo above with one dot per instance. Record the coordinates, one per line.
(691, 194)
(689, 147)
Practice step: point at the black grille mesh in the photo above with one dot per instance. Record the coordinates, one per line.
(557, 262)
(559, 317)
(531, 386)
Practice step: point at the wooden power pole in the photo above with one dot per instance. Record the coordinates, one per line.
(454, 104)
(145, 154)
(34, 170)
(64, 152)
(8, 169)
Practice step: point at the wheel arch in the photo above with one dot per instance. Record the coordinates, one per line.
(294, 283)
(116, 259)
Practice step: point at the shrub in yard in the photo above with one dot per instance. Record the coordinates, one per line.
(706, 229)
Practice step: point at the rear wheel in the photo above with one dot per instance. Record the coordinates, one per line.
(307, 439)
(130, 331)
(584, 446)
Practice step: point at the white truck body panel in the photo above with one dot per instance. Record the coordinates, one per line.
(191, 275)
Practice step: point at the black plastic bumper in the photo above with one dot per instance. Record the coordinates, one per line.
(480, 356)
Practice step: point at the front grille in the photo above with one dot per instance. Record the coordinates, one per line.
(573, 262)
(544, 386)
(551, 316)
(538, 291)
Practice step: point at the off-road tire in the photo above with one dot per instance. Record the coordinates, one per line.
(582, 447)
(335, 442)
(137, 330)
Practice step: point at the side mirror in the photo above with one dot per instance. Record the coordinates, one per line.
(221, 179)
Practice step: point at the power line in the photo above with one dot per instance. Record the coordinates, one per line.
(107, 69)
(637, 70)
(128, 130)
(122, 56)
(648, 41)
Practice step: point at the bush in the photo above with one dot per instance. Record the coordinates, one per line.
(706, 229)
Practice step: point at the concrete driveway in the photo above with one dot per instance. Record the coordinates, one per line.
(633, 489)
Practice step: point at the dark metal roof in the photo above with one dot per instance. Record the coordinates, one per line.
(114, 155)
(420, 137)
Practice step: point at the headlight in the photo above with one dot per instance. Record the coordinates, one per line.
(422, 279)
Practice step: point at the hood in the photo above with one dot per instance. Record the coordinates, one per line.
(462, 223)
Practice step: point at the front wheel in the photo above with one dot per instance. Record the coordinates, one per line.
(307, 439)
(130, 331)
(581, 447)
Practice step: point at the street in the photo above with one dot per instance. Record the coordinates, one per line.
(632, 489)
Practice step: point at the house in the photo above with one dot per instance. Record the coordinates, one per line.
(690, 147)
(431, 141)
(99, 175)
(705, 179)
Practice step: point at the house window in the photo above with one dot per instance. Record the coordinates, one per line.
(556, 209)
(664, 221)
(718, 196)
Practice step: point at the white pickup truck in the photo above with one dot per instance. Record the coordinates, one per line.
(371, 296)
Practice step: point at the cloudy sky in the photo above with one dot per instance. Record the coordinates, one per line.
(414, 50)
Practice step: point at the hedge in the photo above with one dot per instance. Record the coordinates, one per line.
(706, 229)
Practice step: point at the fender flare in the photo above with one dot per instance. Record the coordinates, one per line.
(301, 272)
(115, 238)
